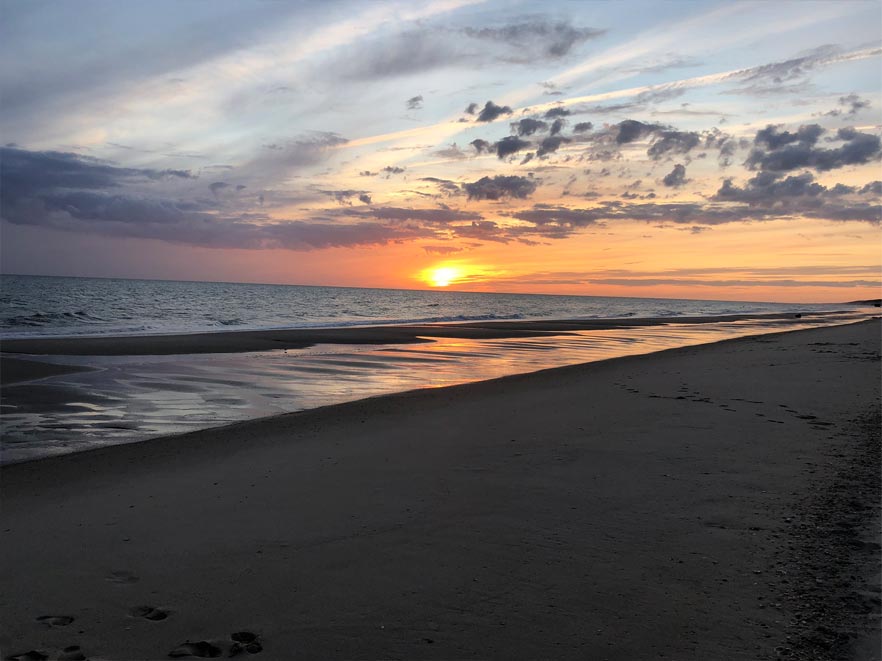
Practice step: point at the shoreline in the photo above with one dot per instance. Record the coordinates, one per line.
(229, 341)
(494, 519)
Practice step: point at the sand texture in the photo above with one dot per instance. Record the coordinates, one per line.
(717, 503)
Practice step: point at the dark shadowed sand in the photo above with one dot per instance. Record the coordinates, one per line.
(714, 502)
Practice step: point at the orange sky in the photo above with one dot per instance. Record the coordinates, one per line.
(705, 151)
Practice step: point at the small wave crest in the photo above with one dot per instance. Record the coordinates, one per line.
(43, 319)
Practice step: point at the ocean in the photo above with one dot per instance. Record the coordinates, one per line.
(124, 399)
(33, 306)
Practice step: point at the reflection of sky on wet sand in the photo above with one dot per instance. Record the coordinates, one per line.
(131, 398)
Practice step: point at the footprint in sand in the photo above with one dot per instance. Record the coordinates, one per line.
(200, 649)
(123, 577)
(33, 655)
(245, 641)
(149, 613)
(55, 620)
(72, 653)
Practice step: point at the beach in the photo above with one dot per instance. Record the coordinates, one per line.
(709, 502)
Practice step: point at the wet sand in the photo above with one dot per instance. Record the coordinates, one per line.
(713, 502)
(240, 341)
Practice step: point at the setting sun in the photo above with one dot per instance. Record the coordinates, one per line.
(442, 276)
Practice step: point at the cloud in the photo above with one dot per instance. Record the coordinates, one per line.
(431, 216)
(550, 145)
(556, 215)
(772, 78)
(72, 193)
(451, 151)
(630, 130)
(23, 172)
(445, 185)
(392, 169)
(472, 108)
(397, 54)
(481, 146)
(528, 126)
(854, 103)
(581, 127)
(778, 151)
(499, 187)
(676, 177)
(672, 142)
(491, 112)
(558, 111)
(510, 145)
(536, 37)
(345, 196)
(557, 126)
(442, 250)
(414, 102)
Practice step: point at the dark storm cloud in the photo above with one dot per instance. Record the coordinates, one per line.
(783, 151)
(557, 126)
(499, 187)
(491, 112)
(553, 40)
(510, 145)
(676, 177)
(581, 127)
(414, 102)
(528, 126)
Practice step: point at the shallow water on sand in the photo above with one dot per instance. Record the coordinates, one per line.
(133, 398)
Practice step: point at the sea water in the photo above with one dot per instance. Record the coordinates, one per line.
(122, 399)
(33, 306)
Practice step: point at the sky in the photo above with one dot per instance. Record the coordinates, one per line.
(713, 150)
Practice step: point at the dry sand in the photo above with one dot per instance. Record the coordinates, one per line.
(717, 502)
